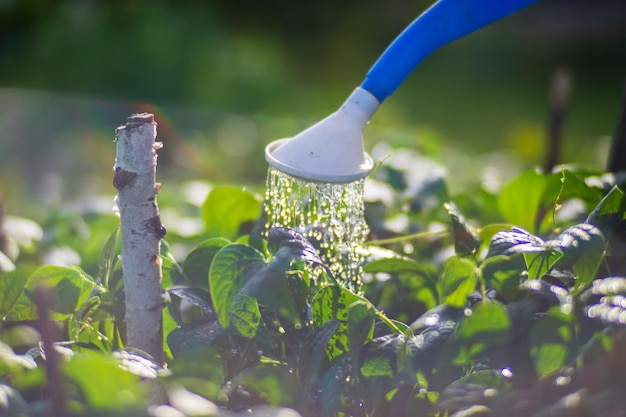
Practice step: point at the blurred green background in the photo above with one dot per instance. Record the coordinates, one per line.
(224, 78)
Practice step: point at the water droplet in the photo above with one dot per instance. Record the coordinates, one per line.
(331, 214)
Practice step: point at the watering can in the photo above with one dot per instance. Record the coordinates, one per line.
(332, 150)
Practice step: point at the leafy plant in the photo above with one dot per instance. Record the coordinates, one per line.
(457, 314)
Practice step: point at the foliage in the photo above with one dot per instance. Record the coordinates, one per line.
(471, 302)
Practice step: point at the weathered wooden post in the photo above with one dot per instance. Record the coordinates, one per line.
(135, 181)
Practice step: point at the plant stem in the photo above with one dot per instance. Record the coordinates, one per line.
(404, 238)
(134, 179)
(54, 388)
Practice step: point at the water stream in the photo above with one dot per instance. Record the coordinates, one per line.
(329, 215)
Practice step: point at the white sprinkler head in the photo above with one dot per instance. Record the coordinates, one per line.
(331, 151)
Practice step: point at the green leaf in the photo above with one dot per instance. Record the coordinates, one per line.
(245, 315)
(477, 388)
(541, 262)
(582, 246)
(333, 386)
(551, 342)
(195, 336)
(488, 323)
(226, 209)
(70, 287)
(503, 274)
(393, 265)
(232, 267)
(565, 185)
(332, 303)
(103, 384)
(378, 364)
(313, 349)
(466, 239)
(11, 287)
(195, 296)
(198, 260)
(519, 200)
(458, 280)
(172, 271)
(609, 212)
(275, 383)
(360, 324)
(516, 240)
(10, 361)
(610, 308)
(287, 244)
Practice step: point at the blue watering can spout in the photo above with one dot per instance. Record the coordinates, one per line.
(332, 150)
(442, 23)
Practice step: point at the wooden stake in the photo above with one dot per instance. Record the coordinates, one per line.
(135, 181)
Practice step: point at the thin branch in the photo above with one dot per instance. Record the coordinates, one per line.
(405, 238)
(54, 388)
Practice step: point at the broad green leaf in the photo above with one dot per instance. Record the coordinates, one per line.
(378, 366)
(199, 369)
(245, 315)
(169, 325)
(609, 212)
(333, 386)
(193, 336)
(519, 200)
(313, 349)
(392, 356)
(281, 291)
(562, 186)
(476, 388)
(466, 239)
(503, 274)
(360, 324)
(226, 209)
(137, 364)
(275, 383)
(540, 262)
(11, 287)
(393, 265)
(610, 308)
(551, 342)
(582, 246)
(104, 385)
(516, 240)
(232, 266)
(171, 270)
(70, 287)
(332, 303)
(10, 361)
(458, 280)
(195, 296)
(288, 244)
(436, 315)
(488, 323)
(198, 260)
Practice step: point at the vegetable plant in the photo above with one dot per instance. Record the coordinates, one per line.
(473, 303)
